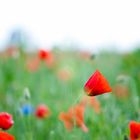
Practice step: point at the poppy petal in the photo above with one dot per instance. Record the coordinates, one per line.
(6, 136)
(134, 130)
(67, 119)
(97, 84)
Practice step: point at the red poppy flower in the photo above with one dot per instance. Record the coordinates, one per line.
(43, 54)
(74, 116)
(134, 130)
(6, 120)
(6, 136)
(48, 57)
(97, 84)
(42, 111)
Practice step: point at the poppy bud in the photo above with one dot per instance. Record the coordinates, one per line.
(97, 84)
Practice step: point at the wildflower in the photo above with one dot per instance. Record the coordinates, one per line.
(74, 116)
(27, 109)
(43, 54)
(6, 136)
(6, 120)
(97, 84)
(47, 56)
(42, 111)
(134, 130)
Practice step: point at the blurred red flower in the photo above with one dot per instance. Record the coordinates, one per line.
(43, 54)
(97, 84)
(134, 130)
(74, 116)
(6, 120)
(6, 136)
(42, 111)
(48, 57)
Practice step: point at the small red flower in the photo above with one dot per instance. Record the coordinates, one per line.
(97, 84)
(6, 136)
(42, 111)
(48, 58)
(134, 130)
(43, 54)
(6, 120)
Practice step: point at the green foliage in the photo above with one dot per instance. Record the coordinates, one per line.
(131, 65)
(46, 87)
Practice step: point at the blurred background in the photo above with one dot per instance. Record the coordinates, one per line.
(50, 48)
(84, 24)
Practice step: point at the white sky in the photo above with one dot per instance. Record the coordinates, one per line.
(90, 22)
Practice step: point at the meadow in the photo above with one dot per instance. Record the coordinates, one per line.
(26, 81)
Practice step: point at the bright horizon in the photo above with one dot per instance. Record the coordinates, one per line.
(92, 23)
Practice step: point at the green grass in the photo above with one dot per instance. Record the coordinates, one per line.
(45, 87)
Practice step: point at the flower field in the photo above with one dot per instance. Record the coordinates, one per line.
(44, 92)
